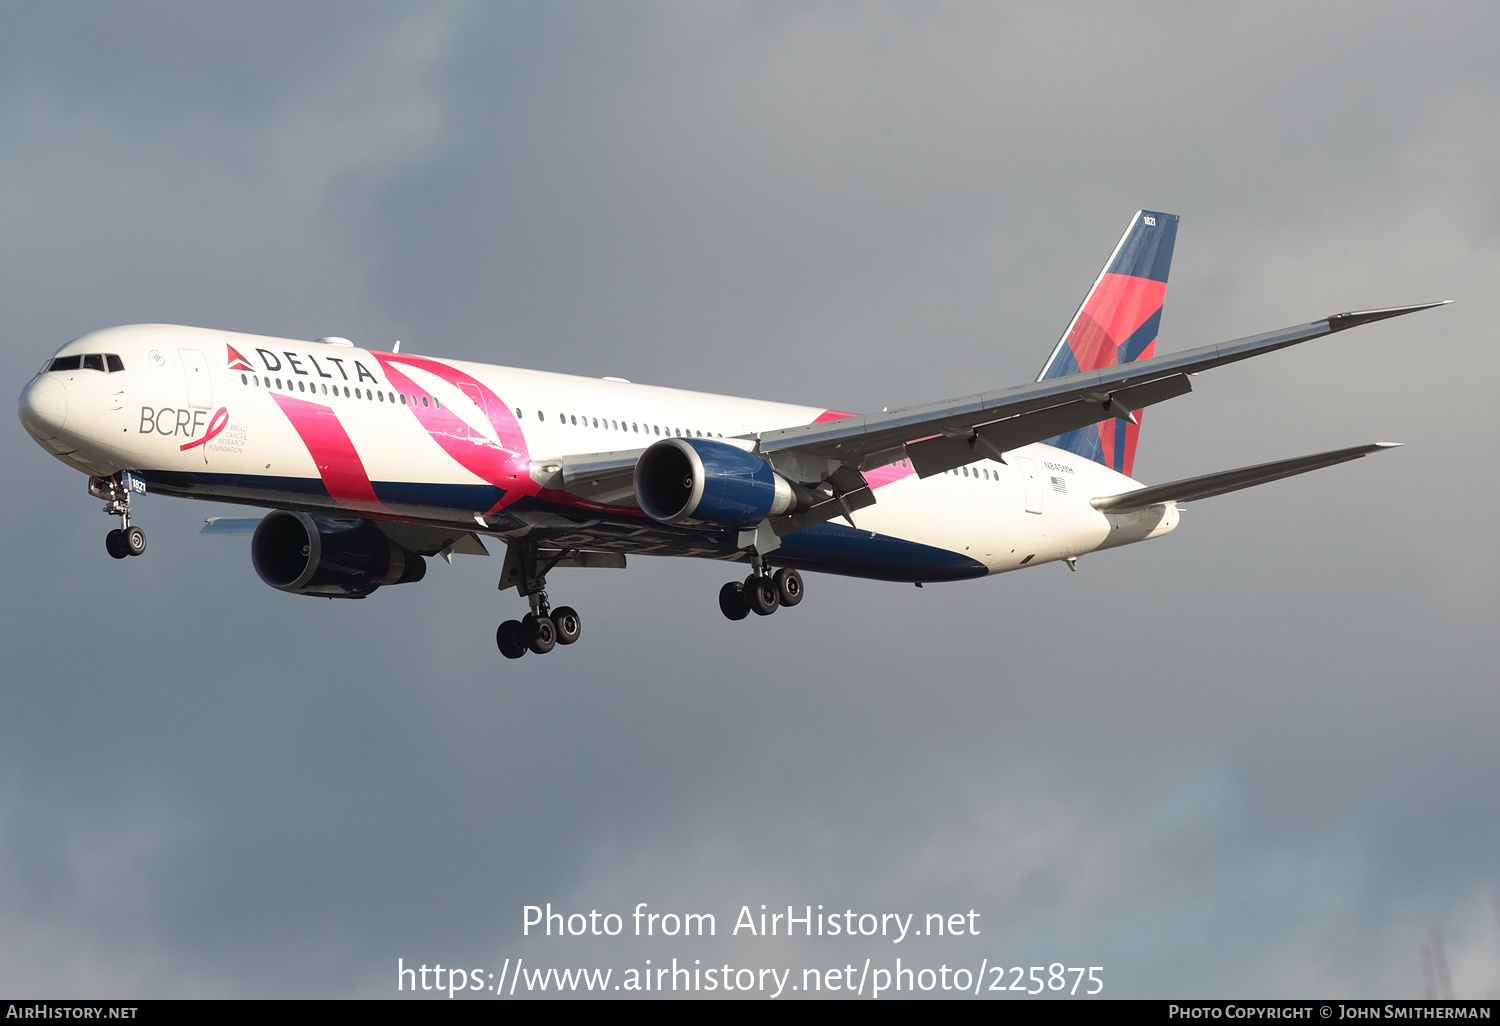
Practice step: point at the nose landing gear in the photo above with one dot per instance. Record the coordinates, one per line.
(127, 539)
(761, 593)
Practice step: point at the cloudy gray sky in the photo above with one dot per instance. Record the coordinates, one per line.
(1255, 758)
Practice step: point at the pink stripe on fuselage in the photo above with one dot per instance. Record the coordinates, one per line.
(339, 465)
(506, 466)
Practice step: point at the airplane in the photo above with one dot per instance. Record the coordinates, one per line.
(371, 461)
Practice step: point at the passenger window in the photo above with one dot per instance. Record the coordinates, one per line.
(244, 380)
(278, 382)
(300, 387)
(518, 413)
(424, 400)
(113, 362)
(66, 363)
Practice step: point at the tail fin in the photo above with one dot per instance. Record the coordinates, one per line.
(1117, 323)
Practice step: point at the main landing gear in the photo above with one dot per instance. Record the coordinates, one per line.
(127, 539)
(540, 631)
(544, 628)
(762, 593)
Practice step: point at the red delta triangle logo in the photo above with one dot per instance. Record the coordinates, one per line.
(236, 361)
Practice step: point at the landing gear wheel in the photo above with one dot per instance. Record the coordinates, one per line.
(788, 586)
(762, 595)
(510, 638)
(732, 601)
(114, 544)
(569, 626)
(134, 540)
(541, 633)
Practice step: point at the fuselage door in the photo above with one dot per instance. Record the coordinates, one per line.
(200, 391)
(475, 396)
(1033, 483)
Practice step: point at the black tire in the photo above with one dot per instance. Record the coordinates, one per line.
(569, 626)
(541, 634)
(510, 638)
(114, 544)
(134, 540)
(762, 595)
(732, 602)
(789, 586)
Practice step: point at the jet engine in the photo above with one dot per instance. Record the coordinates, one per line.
(328, 556)
(679, 480)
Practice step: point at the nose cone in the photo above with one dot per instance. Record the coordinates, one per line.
(44, 407)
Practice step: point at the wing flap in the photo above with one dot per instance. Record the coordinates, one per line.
(230, 525)
(1210, 485)
(425, 540)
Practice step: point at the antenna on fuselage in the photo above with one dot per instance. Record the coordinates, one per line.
(397, 347)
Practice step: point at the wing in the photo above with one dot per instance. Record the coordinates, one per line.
(607, 478)
(419, 538)
(830, 456)
(941, 436)
(1208, 485)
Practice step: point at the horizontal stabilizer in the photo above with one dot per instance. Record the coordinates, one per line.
(230, 525)
(1229, 480)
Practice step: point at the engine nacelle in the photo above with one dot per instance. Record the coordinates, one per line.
(680, 480)
(328, 556)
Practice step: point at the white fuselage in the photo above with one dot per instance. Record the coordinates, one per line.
(276, 423)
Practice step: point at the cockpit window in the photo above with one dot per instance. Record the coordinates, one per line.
(89, 361)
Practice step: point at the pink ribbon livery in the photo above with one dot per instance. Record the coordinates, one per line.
(216, 426)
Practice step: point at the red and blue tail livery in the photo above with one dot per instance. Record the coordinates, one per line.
(1117, 324)
(372, 462)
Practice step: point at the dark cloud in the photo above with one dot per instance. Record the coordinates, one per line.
(1253, 758)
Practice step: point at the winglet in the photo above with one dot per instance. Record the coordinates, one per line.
(1338, 322)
